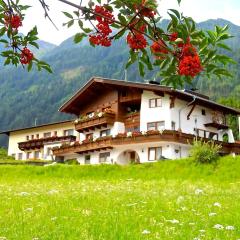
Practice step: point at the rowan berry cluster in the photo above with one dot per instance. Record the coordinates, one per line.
(105, 18)
(12, 20)
(159, 47)
(189, 62)
(136, 41)
(144, 10)
(26, 56)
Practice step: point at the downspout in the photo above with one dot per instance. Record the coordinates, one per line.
(180, 110)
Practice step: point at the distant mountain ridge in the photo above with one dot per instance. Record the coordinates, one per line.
(38, 95)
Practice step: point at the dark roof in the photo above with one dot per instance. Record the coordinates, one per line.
(43, 125)
(95, 84)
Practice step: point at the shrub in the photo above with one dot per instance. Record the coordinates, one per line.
(205, 152)
(71, 161)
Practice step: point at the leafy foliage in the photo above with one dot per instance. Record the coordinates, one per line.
(205, 152)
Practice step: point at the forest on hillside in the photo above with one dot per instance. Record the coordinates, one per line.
(36, 96)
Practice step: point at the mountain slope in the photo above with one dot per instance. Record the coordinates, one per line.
(38, 95)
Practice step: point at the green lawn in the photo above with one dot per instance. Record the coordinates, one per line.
(166, 200)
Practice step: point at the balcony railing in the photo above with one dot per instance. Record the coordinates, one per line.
(39, 143)
(110, 142)
(218, 121)
(132, 120)
(85, 125)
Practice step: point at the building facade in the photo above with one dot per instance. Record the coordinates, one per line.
(122, 122)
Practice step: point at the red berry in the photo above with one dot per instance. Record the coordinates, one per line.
(159, 47)
(190, 66)
(173, 36)
(26, 56)
(136, 41)
(14, 21)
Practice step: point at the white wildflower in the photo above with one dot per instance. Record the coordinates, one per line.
(217, 204)
(29, 209)
(229, 227)
(76, 121)
(191, 223)
(212, 214)
(218, 226)
(196, 238)
(180, 199)
(198, 191)
(23, 194)
(3, 238)
(53, 191)
(146, 231)
(54, 218)
(173, 221)
(202, 231)
(131, 204)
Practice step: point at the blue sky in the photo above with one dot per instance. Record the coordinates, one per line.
(199, 10)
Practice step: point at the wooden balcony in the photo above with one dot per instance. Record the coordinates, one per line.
(218, 121)
(85, 125)
(218, 126)
(39, 143)
(132, 120)
(152, 136)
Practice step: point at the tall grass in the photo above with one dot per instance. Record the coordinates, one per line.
(167, 200)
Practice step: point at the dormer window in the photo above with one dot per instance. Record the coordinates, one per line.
(155, 102)
(203, 112)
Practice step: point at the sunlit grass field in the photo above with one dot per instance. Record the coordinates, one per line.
(165, 200)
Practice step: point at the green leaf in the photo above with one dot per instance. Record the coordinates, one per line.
(141, 68)
(79, 37)
(2, 31)
(68, 15)
(70, 23)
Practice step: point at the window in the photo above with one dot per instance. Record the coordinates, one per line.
(49, 151)
(55, 133)
(105, 133)
(68, 132)
(133, 129)
(27, 138)
(14, 155)
(155, 102)
(28, 155)
(90, 114)
(20, 156)
(32, 137)
(37, 136)
(203, 112)
(37, 154)
(87, 159)
(154, 153)
(47, 134)
(155, 125)
(104, 157)
(173, 126)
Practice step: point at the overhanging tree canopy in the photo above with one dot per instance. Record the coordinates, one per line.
(181, 52)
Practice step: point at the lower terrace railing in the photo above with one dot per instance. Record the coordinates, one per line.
(39, 143)
(110, 142)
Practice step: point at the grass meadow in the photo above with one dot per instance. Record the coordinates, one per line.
(166, 200)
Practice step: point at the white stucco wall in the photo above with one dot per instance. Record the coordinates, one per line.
(20, 136)
(148, 114)
(119, 153)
